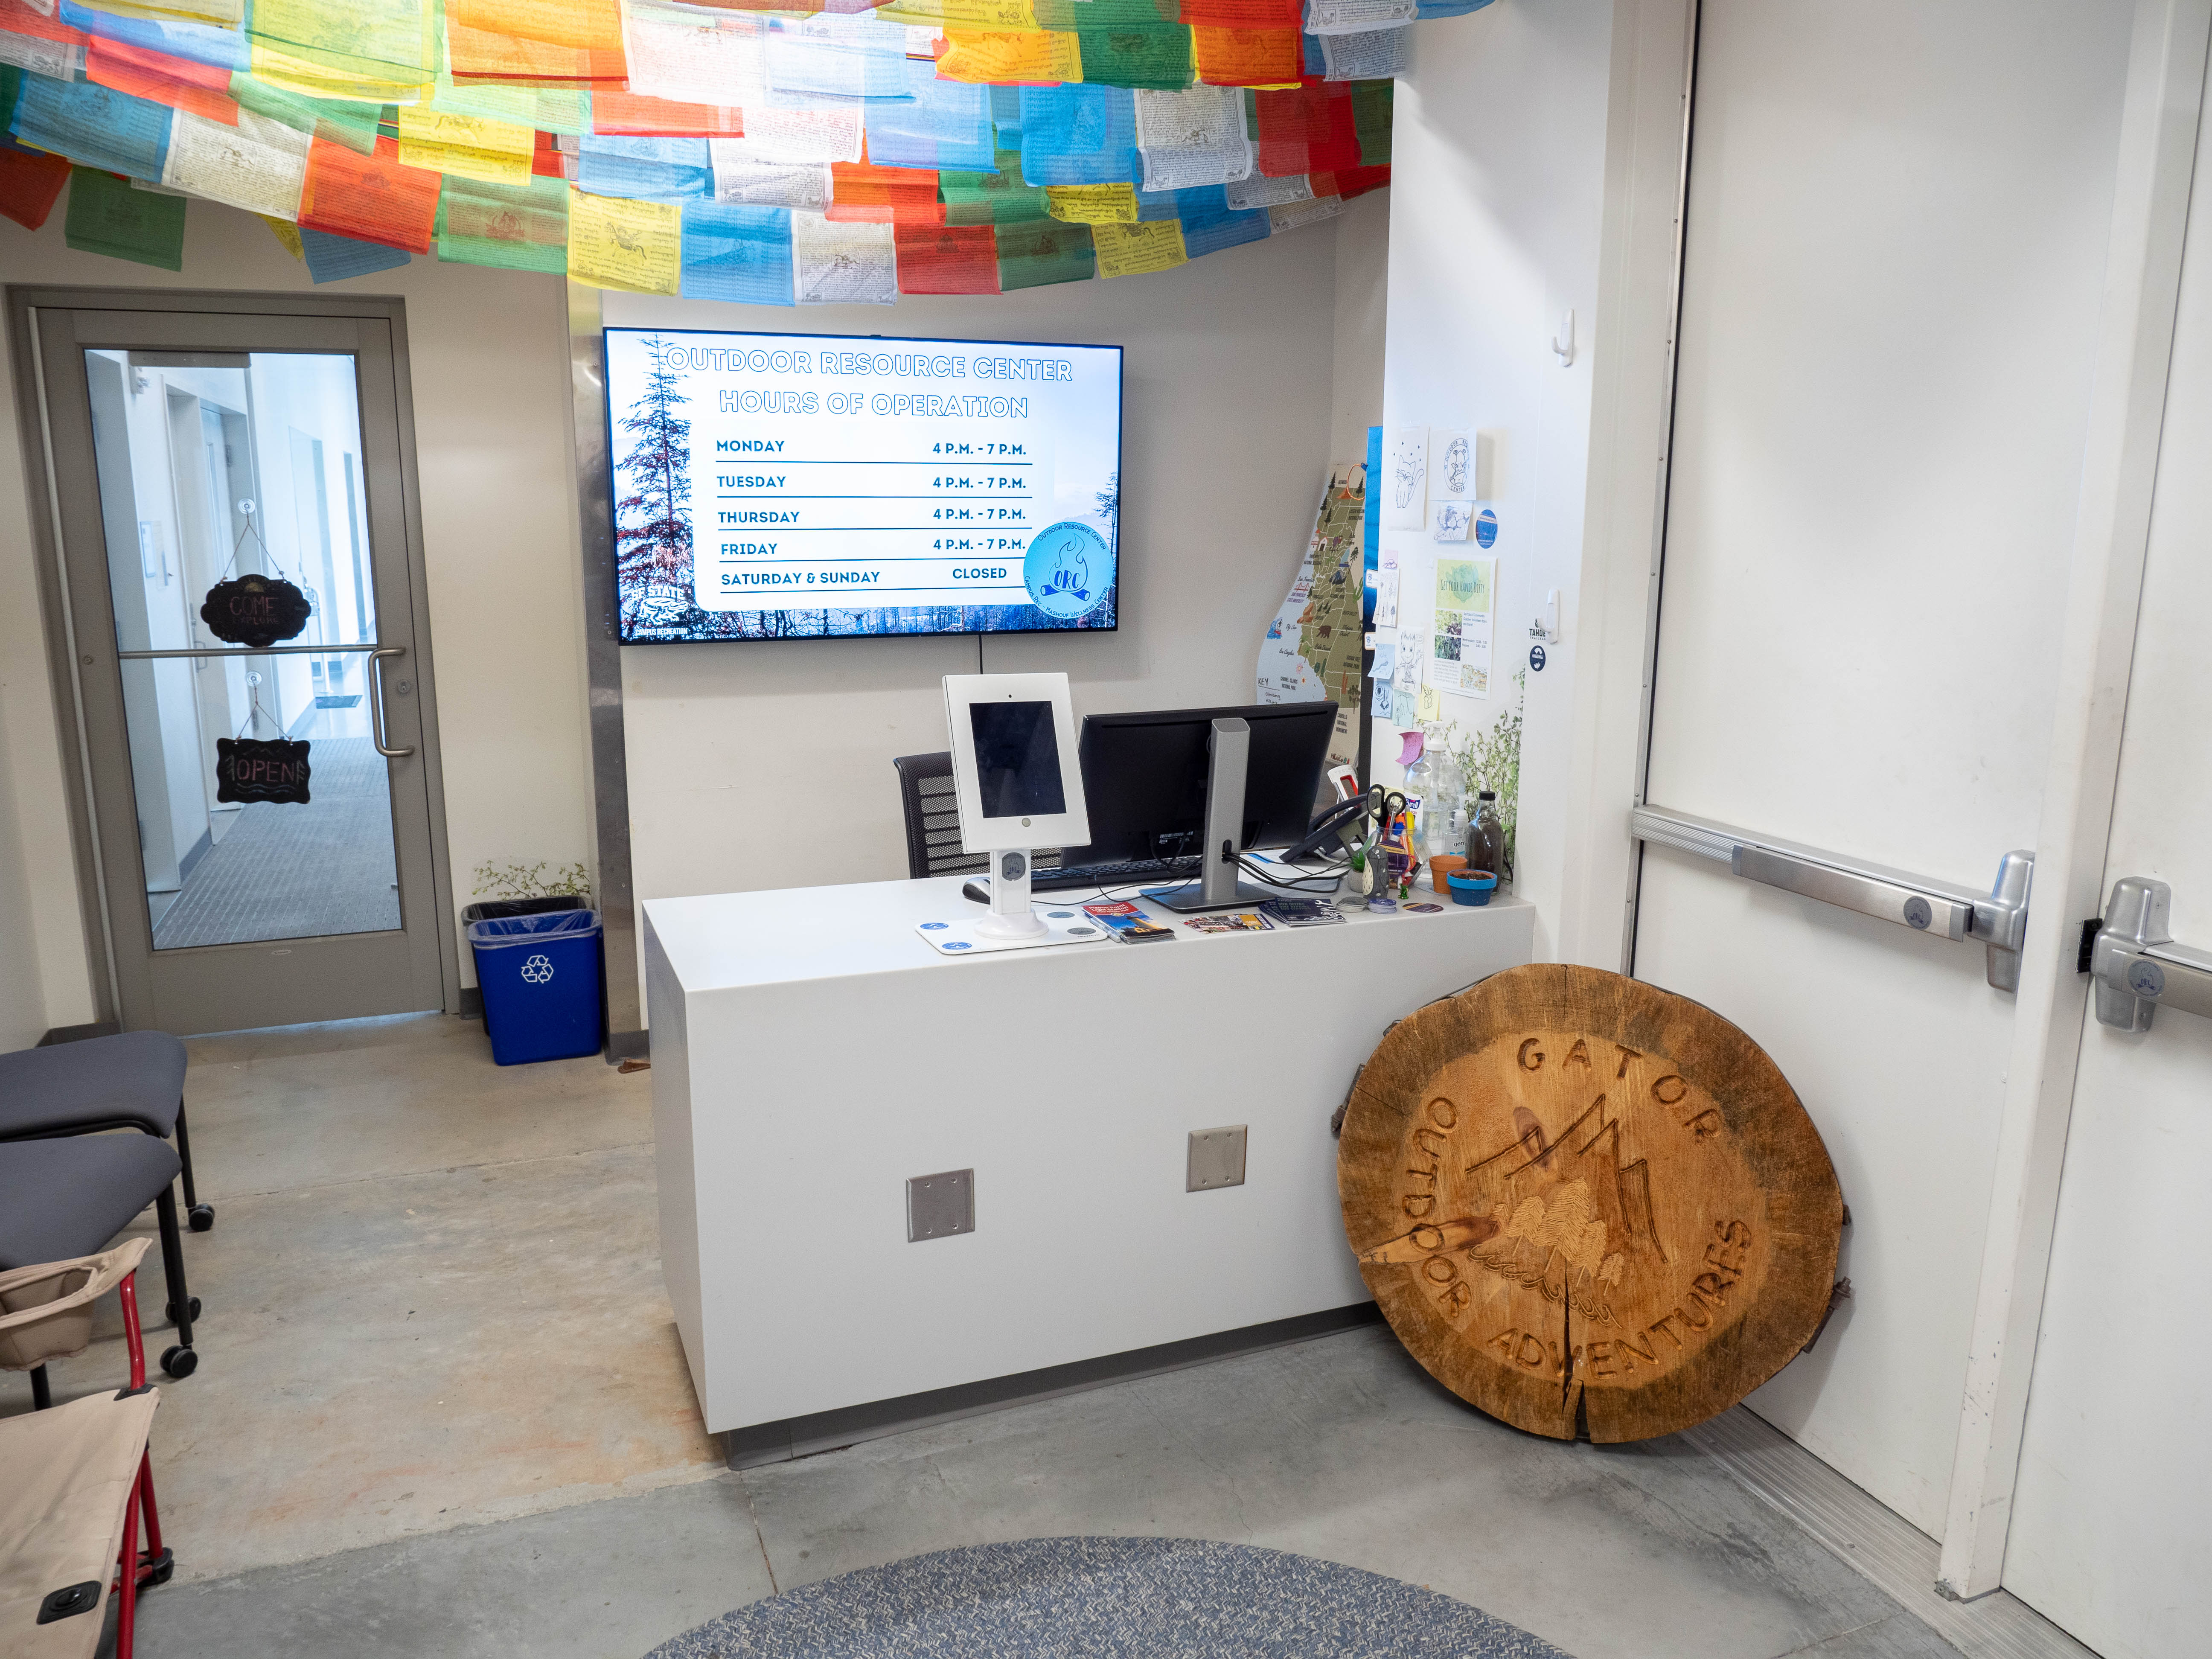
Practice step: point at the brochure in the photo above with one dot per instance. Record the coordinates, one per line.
(1302, 912)
(1241, 921)
(1128, 923)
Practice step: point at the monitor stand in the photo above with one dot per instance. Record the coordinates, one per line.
(1217, 887)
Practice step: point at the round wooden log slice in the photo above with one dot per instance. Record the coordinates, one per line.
(1587, 1206)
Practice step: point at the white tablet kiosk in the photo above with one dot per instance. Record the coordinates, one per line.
(1017, 784)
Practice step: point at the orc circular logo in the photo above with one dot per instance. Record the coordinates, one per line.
(1069, 569)
(537, 970)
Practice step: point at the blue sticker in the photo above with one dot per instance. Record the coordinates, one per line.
(1069, 569)
(1059, 915)
(956, 944)
(931, 927)
(1485, 528)
(1536, 658)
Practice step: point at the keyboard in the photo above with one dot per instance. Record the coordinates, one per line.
(1068, 877)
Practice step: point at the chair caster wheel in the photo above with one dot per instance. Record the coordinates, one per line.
(201, 1217)
(159, 1570)
(171, 1308)
(179, 1362)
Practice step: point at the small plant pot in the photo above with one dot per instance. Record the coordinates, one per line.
(1471, 887)
(1441, 866)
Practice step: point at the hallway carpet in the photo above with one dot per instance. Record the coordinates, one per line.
(1047, 1598)
(297, 871)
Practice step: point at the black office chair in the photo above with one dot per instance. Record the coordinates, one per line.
(932, 822)
(132, 1080)
(62, 1199)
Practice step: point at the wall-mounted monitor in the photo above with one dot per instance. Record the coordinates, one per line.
(787, 486)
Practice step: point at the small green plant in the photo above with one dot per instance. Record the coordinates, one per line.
(522, 881)
(1491, 759)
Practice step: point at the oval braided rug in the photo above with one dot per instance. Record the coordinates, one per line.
(1047, 1598)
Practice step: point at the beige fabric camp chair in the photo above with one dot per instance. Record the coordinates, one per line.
(45, 1311)
(68, 1514)
(79, 1483)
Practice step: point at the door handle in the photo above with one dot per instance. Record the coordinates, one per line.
(376, 700)
(2137, 966)
(1997, 918)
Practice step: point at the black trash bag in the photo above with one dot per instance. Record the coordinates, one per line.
(256, 611)
(261, 768)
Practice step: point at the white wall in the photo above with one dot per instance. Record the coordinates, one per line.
(768, 764)
(489, 356)
(1499, 164)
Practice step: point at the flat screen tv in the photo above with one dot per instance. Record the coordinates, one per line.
(782, 486)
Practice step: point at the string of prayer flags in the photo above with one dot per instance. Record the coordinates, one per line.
(1371, 119)
(579, 41)
(466, 147)
(946, 259)
(837, 56)
(1093, 204)
(353, 126)
(660, 169)
(1072, 14)
(946, 123)
(93, 126)
(253, 163)
(182, 84)
(1295, 216)
(1003, 58)
(738, 254)
(1211, 232)
(1246, 57)
(515, 227)
(369, 198)
(1157, 57)
(1367, 54)
(1078, 135)
(1038, 252)
(106, 215)
(31, 39)
(333, 258)
(1354, 17)
(287, 234)
(1012, 15)
(1137, 250)
(753, 151)
(861, 193)
(614, 242)
(634, 115)
(996, 197)
(1191, 137)
(1260, 191)
(835, 263)
(738, 179)
(30, 184)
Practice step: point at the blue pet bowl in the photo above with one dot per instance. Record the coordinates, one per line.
(1474, 888)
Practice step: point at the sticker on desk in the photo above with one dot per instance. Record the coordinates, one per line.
(962, 938)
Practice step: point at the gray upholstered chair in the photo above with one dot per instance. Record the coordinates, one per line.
(135, 1080)
(65, 1198)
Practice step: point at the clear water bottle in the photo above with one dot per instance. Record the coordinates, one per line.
(1418, 788)
(1446, 819)
(1486, 836)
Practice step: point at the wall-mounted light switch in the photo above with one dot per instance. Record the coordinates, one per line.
(1217, 1159)
(940, 1205)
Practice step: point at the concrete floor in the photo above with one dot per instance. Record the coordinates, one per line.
(441, 1412)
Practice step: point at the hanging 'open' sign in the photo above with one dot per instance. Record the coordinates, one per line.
(256, 610)
(261, 768)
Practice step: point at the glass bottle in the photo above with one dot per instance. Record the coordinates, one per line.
(1418, 787)
(1486, 836)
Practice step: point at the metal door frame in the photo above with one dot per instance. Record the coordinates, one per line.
(25, 301)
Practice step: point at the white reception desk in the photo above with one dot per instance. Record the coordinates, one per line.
(811, 1053)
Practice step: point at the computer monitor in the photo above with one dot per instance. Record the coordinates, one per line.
(1147, 778)
(1015, 781)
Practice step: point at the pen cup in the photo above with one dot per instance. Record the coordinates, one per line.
(1442, 865)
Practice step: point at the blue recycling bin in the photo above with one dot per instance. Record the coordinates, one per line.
(541, 977)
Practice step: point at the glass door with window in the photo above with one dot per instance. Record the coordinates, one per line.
(250, 662)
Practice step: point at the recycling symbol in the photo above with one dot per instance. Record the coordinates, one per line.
(537, 971)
